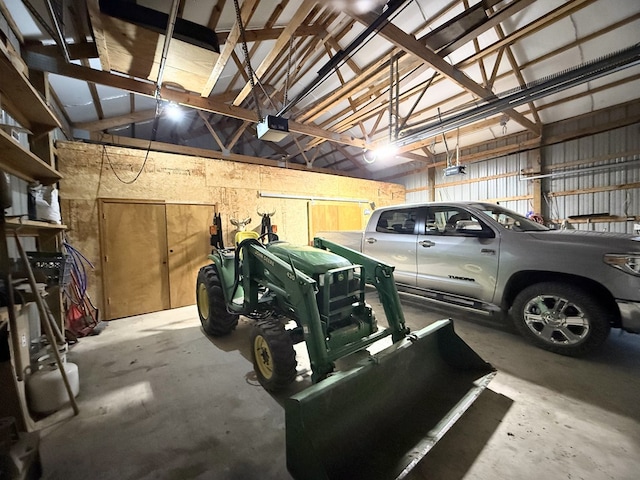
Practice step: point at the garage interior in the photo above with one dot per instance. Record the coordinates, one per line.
(314, 113)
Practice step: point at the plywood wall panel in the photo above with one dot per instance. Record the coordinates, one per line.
(88, 171)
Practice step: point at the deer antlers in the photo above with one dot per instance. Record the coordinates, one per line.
(240, 224)
(266, 214)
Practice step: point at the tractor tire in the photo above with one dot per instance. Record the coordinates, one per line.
(216, 320)
(274, 359)
(561, 318)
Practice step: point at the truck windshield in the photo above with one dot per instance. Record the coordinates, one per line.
(511, 220)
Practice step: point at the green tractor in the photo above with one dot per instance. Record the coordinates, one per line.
(415, 388)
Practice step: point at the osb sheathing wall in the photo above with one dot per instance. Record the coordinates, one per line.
(88, 171)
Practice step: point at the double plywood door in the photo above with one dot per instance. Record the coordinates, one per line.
(151, 254)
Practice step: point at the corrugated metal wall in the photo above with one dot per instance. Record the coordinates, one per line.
(494, 180)
(595, 174)
(607, 182)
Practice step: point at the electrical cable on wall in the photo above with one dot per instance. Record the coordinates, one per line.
(154, 131)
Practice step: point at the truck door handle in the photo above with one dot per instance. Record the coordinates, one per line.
(426, 243)
(488, 251)
(371, 240)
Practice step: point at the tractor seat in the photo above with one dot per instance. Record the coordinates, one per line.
(240, 236)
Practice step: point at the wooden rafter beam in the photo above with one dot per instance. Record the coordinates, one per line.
(349, 156)
(529, 29)
(203, 152)
(533, 27)
(216, 11)
(212, 131)
(518, 73)
(568, 8)
(58, 66)
(262, 34)
(236, 136)
(112, 122)
(410, 44)
(98, 34)
(280, 45)
(246, 12)
(80, 34)
(495, 19)
(77, 50)
(241, 71)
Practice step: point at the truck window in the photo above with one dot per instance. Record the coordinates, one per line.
(443, 220)
(401, 221)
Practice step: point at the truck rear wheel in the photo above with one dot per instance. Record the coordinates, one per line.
(212, 310)
(274, 359)
(560, 318)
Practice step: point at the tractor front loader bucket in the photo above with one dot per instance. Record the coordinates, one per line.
(378, 419)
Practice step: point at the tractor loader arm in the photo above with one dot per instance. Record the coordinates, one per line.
(295, 291)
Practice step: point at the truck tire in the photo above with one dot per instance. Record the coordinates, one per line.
(212, 310)
(274, 359)
(560, 318)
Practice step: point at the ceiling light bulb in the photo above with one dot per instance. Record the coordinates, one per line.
(173, 111)
(386, 151)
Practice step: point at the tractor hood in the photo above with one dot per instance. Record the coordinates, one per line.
(310, 260)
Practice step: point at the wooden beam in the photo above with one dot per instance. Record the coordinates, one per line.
(518, 73)
(213, 133)
(112, 122)
(240, 66)
(98, 34)
(533, 27)
(11, 22)
(77, 51)
(216, 11)
(236, 136)
(566, 9)
(281, 43)
(413, 46)
(54, 65)
(262, 34)
(495, 19)
(348, 156)
(246, 12)
(205, 153)
(79, 34)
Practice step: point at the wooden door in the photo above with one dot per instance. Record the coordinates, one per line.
(134, 246)
(188, 244)
(334, 216)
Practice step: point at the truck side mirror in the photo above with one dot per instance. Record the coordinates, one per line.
(473, 228)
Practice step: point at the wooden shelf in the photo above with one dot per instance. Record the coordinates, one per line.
(32, 227)
(22, 163)
(22, 95)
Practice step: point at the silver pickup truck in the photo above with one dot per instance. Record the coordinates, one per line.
(563, 289)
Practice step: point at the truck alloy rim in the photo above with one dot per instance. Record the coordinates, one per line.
(262, 354)
(556, 320)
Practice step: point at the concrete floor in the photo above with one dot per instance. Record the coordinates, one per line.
(159, 400)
